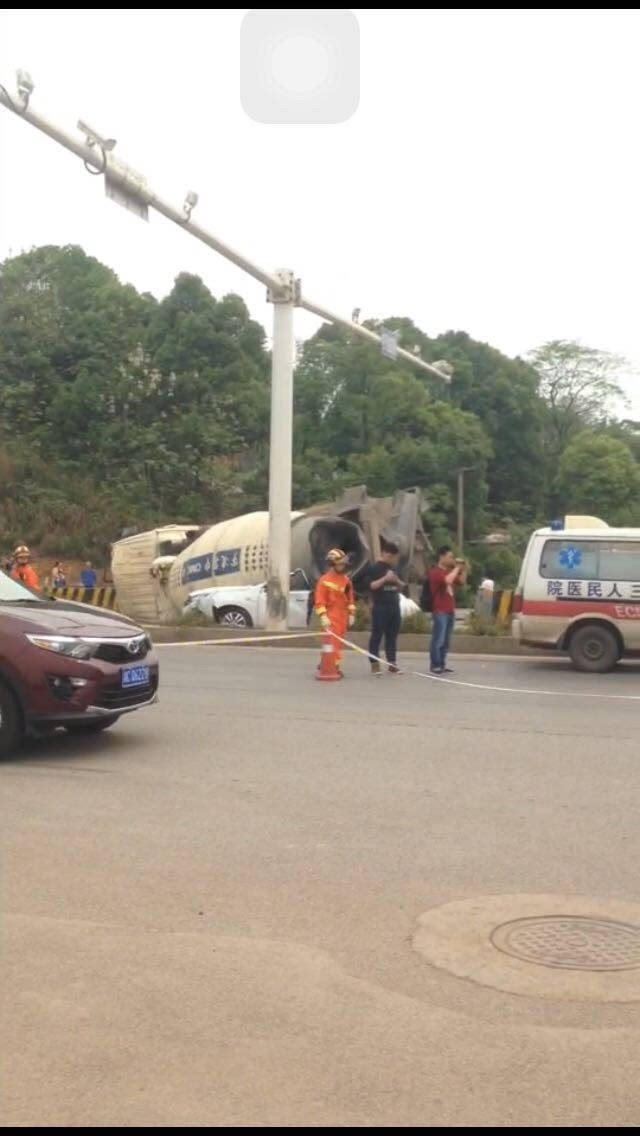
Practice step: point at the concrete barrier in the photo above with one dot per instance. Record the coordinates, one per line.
(104, 597)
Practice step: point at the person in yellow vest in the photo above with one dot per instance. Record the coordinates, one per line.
(334, 599)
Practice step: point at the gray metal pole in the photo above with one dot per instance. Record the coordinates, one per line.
(461, 473)
(365, 333)
(136, 186)
(280, 453)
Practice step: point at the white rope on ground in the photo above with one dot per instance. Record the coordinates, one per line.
(486, 686)
(244, 640)
(257, 639)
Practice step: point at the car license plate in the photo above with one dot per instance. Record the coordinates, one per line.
(135, 676)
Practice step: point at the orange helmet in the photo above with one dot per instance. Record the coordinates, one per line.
(337, 557)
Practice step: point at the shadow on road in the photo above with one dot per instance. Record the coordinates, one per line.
(61, 746)
(627, 670)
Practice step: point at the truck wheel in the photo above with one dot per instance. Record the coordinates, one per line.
(234, 617)
(11, 729)
(594, 648)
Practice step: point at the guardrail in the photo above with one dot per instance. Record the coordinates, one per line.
(104, 597)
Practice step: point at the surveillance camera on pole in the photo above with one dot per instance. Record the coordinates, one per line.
(24, 84)
(444, 369)
(95, 139)
(190, 202)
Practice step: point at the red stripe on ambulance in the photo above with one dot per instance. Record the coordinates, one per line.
(571, 608)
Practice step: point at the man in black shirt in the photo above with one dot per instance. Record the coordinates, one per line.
(385, 588)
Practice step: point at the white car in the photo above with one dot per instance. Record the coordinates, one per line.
(247, 606)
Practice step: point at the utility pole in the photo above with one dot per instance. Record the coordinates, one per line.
(130, 189)
(460, 510)
(280, 452)
(461, 473)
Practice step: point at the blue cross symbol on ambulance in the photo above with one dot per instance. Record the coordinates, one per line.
(570, 557)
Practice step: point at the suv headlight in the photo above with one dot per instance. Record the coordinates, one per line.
(66, 645)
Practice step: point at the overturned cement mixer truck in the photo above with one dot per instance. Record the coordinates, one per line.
(155, 572)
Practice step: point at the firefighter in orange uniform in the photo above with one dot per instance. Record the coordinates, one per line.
(22, 569)
(334, 599)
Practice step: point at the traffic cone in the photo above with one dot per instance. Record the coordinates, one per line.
(327, 671)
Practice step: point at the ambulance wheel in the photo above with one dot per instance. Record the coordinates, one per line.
(594, 648)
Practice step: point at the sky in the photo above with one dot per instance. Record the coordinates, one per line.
(488, 180)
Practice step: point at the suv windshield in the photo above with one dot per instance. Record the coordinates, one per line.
(12, 591)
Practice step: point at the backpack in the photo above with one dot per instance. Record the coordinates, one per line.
(425, 601)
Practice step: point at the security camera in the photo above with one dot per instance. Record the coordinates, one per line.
(445, 369)
(190, 202)
(24, 83)
(95, 139)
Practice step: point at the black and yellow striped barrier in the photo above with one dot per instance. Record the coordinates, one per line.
(97, 597)
(503, 605)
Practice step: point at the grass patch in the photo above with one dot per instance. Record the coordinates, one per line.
(192, 619)
(485, 625)
(418, 623)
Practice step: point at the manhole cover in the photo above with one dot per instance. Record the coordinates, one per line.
(571, 942)
(542, 946)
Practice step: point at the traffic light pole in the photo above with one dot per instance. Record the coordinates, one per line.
(130, 189)
(280, 450)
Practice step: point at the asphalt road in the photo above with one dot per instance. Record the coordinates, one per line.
(209, 910)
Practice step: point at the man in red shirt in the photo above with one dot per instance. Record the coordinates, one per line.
(447, 575)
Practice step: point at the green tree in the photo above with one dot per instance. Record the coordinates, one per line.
(501, 564)
(212, 398)
(627, 431)
(503, 394)
(383, 424)
(315, 478)
(598, 475)
(162, 407)
(66, 320)
(580, 387)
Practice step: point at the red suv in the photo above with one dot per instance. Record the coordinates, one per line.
(68, 664)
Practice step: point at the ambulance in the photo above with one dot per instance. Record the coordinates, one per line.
(579, 591)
